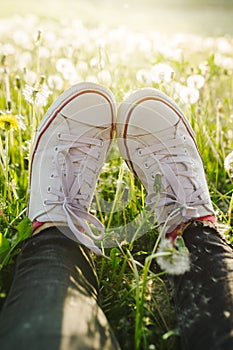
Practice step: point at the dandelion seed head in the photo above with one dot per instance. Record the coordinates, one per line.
(24, 59)
(104, 77)
(204, 67)
(28, 93)
(195, 81)
(66, 67)
(228, 162)
(44, 52)
(21, 120)
(21, 38)
(82, 67)
(144, 77)
(92, 79)
(152, 347)
(170, 52)
(64, 64)
(55, 82)
(223, 61)
(30, 77)
(176, 259)
(7, 49)
(38, 96)
(188, 95)
(161, 72)
(227, 313)
(95, 62)
(49, 38)
(224, 46)
(9, 121)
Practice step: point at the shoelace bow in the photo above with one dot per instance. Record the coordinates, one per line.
(170, 154)
(75, 152)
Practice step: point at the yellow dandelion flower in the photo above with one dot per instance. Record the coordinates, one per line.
(9, 121)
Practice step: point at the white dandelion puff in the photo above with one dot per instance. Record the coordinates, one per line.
(144, 76)
(228, 162)
(24, 59)
(30, 77)
(21, 38)
(38, 96)
(204, 68)
(225, 62)
(82, 67)
(161, 72)
(66, 67)
(55, 82)
(7, 49)
(104, 77)
(224, 45)
(21, 120)
(92, 79)
(28, 93)
(196, 81)
(188, 95)
(96, 62)
(43, 52)
(173, 258)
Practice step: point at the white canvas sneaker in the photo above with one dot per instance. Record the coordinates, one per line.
(158, 144)
(70, 148)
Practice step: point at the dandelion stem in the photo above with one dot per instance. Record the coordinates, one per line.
(230, 211)
(19, 104)
(119, 184)
(6, 161)
(8, 93)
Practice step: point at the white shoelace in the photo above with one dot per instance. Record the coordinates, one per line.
(174, 165)
(74, 153)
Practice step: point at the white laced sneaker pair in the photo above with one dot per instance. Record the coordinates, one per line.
(154, 138)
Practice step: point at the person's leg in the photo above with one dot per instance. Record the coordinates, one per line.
(53, 302)
(204, 295)
(159, 145)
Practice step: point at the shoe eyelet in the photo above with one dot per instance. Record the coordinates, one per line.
(153, 176)
(49, 189)
(51, 176)
(59, 135)
(56, 149)
(101, 143)
(139, 152)
(146, 165)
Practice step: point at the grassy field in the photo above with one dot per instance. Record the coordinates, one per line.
(42, 54)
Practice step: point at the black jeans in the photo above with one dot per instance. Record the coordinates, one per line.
(204, 295)
(53, 302)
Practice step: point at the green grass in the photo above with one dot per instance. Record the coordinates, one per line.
(135, 292)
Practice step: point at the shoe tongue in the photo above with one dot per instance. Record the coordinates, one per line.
(177, 183)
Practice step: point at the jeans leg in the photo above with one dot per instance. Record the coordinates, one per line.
(204, 295)
(53, 301)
